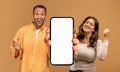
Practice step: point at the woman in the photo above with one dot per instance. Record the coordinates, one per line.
(89, 46)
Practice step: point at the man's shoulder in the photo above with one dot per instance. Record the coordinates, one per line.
(24, 27)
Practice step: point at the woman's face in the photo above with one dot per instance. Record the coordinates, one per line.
(89, 25)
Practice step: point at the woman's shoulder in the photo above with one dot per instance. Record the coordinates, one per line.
(99, 40)
(105, 42)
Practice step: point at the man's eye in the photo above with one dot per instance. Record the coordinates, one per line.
(43, 14)
(36, 13)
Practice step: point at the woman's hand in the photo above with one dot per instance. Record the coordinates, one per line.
(75, 42)
(106, 33)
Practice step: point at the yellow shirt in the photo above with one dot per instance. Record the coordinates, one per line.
(34, 56)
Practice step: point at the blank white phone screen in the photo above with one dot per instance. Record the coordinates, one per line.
(61, 33)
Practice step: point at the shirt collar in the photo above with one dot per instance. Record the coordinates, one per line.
(34, 28)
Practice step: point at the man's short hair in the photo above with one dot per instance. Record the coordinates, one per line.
(40, 6)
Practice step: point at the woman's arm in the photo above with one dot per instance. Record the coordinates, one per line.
(102, 47)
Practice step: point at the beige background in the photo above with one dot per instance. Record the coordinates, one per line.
(17, 13)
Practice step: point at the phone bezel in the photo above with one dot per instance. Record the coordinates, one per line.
(50, 46)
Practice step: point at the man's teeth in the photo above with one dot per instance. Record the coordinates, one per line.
(39, 20)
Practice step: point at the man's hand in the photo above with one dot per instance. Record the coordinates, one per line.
(47, 37)
(16, 44)
(17, 52)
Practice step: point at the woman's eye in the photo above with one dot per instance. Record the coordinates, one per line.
(86, 22)
(91, 24)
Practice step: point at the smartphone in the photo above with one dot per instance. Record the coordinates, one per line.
(61, 34)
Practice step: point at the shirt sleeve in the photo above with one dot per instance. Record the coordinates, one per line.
(17, 53)
(102, 49)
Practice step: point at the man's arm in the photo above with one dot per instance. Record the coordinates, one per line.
(15, 46)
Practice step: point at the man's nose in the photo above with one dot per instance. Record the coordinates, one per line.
(39, 16)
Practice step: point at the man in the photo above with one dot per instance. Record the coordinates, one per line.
(31, 43)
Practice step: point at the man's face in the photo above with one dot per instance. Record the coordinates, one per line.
(39, 16)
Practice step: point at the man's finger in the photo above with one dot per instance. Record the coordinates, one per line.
(48, 31)
(48, 42)
(47, 37)
(13, 43)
